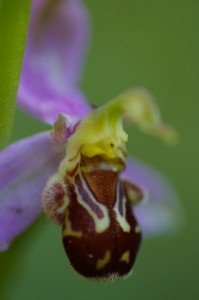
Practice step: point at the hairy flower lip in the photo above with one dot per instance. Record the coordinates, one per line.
(100, 238)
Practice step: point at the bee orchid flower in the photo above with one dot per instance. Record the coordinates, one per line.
(79, 173)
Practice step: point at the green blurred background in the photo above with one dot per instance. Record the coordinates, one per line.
(135, 43)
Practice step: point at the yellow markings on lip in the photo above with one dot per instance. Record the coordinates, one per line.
(101, 263)
(125, 257)
(68, 231)
(100, 224)
(121, 218)
(137, 229)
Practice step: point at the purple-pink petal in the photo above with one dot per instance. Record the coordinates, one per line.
(161, 212)
(25, 167)
(56, 44)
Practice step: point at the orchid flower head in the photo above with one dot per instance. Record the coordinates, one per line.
(79, 173)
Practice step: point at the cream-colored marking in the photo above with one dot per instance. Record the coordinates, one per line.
(101, 263)
(64, 205)
(68, 165)
(68, 231)
(125, 257)
(121, 219)
(100, 224)
(137, 229)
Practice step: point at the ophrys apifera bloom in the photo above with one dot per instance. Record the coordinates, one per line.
(92, 188)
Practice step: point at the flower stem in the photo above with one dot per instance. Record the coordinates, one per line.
(14, 16)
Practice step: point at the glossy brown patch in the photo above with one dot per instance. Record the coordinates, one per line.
(102, 183)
